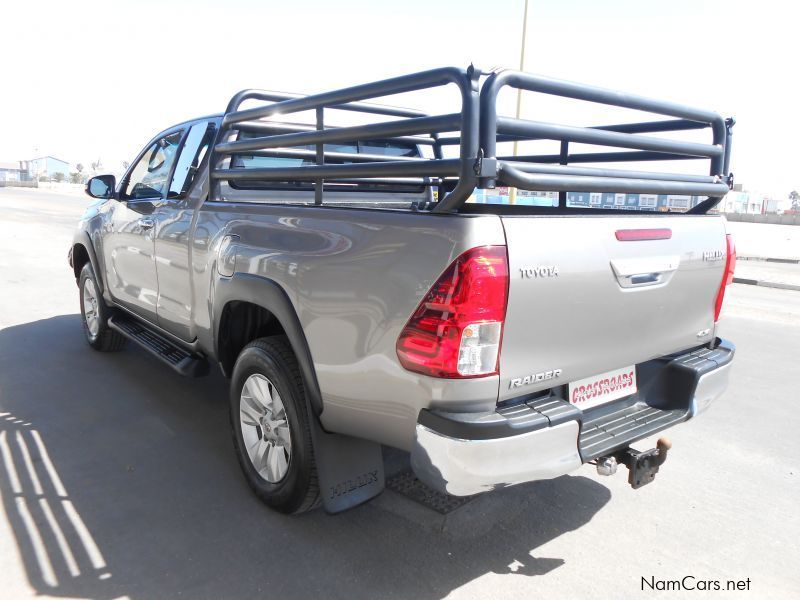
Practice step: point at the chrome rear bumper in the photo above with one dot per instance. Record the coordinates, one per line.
(466, 467)
(467, 453)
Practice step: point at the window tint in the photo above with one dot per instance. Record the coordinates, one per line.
(386, 148)
(149, 177)
(191, 155)
(502, 195)
(377, 147)
(242, 161)
(373, 147)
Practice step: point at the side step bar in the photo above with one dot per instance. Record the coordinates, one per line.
(181, 360)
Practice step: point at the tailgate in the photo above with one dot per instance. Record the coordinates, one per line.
(583, 302)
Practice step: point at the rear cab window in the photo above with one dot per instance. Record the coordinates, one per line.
(370, 193)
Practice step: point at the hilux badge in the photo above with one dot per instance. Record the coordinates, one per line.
(713, 255)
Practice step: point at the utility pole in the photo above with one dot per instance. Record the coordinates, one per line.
(512, 195)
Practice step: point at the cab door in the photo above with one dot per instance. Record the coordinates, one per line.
(128, 244)
(173, 224)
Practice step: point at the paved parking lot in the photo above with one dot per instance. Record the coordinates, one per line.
(117, 477)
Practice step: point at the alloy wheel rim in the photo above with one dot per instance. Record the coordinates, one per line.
(90, 312)
(265, 428)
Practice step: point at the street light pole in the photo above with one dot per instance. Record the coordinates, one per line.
(512, 195)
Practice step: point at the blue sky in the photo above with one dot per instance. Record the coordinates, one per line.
(84, 79)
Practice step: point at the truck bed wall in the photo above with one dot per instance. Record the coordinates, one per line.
(354, 278)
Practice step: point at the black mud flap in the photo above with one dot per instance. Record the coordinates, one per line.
(350, 470)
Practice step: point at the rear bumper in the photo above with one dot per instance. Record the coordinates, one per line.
(545, 437)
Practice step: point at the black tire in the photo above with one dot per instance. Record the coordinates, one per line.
(104, 339)
(298, 490)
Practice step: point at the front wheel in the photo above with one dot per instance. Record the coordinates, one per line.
(94, 313)
(271, 428)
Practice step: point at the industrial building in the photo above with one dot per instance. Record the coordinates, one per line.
(47, 166)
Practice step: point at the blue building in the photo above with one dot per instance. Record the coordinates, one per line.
(48, 166)
(643, 202)
(11, 171)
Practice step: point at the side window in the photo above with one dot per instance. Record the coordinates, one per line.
(148, 179)
(191, 156)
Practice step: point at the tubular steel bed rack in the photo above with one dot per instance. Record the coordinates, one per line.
(476, 129)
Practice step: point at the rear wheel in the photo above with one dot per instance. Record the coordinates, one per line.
(95, 313)
(271, 428)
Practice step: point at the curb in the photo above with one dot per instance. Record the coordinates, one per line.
(769, 284)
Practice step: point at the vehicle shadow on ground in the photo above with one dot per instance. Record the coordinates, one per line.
(118, 478)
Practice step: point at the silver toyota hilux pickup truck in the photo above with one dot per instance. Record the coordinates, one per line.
(375, 283)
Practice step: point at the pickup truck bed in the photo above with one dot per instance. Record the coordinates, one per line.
(360, 287)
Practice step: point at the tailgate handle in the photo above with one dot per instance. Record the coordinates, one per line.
(646, 271)
(645, 278)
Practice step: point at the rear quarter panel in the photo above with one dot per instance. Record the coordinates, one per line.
(354, 278)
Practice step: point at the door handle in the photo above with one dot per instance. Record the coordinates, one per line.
(645, 271)
(146, 223)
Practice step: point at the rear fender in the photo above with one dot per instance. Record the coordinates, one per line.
(244, 287)
(350, 469)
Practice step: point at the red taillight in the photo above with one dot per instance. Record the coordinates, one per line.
(457, 328)
(727, 278)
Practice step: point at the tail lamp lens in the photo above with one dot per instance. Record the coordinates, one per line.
(457, 328)
(727, 278)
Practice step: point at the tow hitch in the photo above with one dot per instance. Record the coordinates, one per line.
(642, 466)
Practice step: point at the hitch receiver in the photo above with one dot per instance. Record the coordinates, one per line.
(643, 466)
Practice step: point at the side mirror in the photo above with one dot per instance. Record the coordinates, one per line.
(101, 186)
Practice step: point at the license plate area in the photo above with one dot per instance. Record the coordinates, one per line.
(603, 388)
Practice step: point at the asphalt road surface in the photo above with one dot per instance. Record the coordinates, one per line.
(118, 479)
